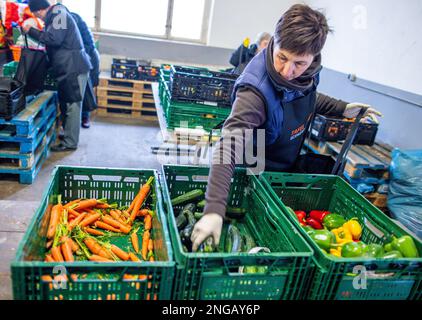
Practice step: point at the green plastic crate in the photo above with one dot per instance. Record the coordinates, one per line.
(209, 276)
(9, 69)
(333, 277)
(105, 280)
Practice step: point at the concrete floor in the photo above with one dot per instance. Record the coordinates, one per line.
(108, 143)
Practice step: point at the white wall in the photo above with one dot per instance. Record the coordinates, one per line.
(384, 47)
(234, 20)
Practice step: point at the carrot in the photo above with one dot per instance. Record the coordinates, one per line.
(66, 248)
(73, 212)
(125, 214)
(144, 212)
(125, 229)
(135, 241)
(102, 206)
(57, 255)
(96, 248)
(74, 245)
(76, 221)
(133, 257)
(116, 215)
(143, 193)
(94, 232)
(97, 258)
(49, 258)
(85, 204)
(90, 220)
(106, 226)
(71, 203)
(133, 203)
(150, 245)
(145, 241)
(148, 222)
(90, 211)
(56, 213)
(112, 222)
(120, 253)
(151, 258)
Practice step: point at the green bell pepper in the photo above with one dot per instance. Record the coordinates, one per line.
(333, 221)
(392, 255)
(373, 251)
(388, 247)
(323, 238)
(352, 250)
(309, 229)
(406, 246)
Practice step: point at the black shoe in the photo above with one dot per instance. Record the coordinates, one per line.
(61, 148)
(86, 123)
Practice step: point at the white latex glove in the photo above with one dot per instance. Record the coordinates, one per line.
(352, 111)
(209, 225)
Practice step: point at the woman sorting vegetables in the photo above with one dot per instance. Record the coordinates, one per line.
(277, 92)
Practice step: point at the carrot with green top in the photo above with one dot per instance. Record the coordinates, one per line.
(94, 232)
(66, 248)
(90, 220)
(72, 203)
(55, 216)
(135, 241)
(145, 212)
(57, 254)
(145, 241)
(148, 222)
(96, 248)
(133, 257)
(96, 258)
(143, 194)
(119, 253)
(105, 226)
(76, 221)
(86, 204)
(49, 258)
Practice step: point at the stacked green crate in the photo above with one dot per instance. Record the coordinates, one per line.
(190, 115)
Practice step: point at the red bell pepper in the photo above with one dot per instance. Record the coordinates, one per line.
(301, 215)
(314, 223)
(318, 215)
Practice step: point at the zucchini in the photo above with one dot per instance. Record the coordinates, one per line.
(201, 204)
(188, 196)
(249, 242)
(234, 241)
(186, 233)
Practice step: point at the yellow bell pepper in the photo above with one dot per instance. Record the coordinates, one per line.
(354, 228)
(336, 252)
(343, 235)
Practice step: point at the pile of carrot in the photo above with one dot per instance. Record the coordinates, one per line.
(83, 228)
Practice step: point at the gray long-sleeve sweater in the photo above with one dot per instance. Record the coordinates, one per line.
(248, 112)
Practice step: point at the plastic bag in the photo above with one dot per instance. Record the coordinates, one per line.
(405, 191)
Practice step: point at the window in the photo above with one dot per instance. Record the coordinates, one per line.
(165, 19)
(140, 16)
(187, 19)
(85, 8)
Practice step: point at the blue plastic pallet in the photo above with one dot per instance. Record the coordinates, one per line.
(16, 160)
(28, 176)
(25, 123)
(366, 180)
(29, 144)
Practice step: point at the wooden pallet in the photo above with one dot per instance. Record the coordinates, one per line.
(377, 199)
(124, 85)
(128, 112)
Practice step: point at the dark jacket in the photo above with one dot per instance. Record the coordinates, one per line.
(242, 56)
(89, 43)
(65, 50)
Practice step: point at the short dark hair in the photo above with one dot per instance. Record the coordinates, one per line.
(302, 30)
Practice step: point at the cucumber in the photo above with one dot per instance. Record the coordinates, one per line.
(188, 196)
(233, 240)
(249, 242)
(186, 233)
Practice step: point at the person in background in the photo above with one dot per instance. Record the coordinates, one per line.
(244, 54)
(70, 64)
(277, 92)
(91, 50)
